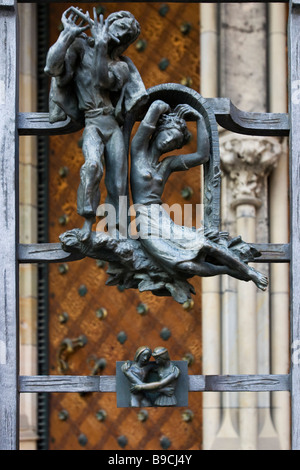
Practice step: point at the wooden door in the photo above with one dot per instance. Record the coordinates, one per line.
(168, 51)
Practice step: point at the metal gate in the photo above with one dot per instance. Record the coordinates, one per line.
(12, 253)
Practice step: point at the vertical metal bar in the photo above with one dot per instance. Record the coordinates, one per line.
(294, 110)
(9, 409)
(42, 165)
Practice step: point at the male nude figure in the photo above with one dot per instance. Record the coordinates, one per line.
(93, 81)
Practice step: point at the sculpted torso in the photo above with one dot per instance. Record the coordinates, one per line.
(90, 93)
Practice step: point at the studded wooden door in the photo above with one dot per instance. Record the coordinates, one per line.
(113, 323)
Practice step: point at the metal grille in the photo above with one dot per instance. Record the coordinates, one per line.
(11, 253)
(42, 203)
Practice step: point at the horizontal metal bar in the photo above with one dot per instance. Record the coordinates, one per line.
(227, 115)
(53, 253)
(7, 4)
(197, 383)
(38, 124)
(273, 252)
(64, 383)
(241, 122)
(239, 383)
(45, 253)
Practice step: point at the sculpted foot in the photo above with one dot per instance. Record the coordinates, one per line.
(86, 230)
(84, 235)
(263, 283)
(260, 280)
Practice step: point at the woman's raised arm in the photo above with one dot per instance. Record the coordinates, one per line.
(148, 125)
(202, 154)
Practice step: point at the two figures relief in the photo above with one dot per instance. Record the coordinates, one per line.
(98, 87)
(151, 383)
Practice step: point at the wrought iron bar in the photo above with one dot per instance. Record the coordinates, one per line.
(53, 253)
(197, 383)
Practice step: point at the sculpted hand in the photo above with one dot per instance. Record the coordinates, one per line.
(168, 391)
(100, 31)
(156, 109)
(126, 366)
(186, 111)
(69, 18)
(161, 106)
(136, 388)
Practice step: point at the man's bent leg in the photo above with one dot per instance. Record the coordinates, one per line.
(88, 195)
(116, 178)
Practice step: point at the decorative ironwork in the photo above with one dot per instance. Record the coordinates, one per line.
(261, 125)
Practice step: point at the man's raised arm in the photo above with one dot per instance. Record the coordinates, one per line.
(55, 62)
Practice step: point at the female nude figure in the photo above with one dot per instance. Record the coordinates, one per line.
(184, 251)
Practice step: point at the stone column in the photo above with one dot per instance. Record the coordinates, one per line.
(279, 224)
(211, 302)
(247, 162)
(243, 55)
(28, 224)
(242, 79)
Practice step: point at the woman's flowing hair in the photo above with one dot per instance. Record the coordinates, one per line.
(174, 120)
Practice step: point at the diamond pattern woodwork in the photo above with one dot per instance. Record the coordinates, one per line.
(80, 289)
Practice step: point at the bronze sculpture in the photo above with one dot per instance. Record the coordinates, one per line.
(185, 251)
(94, 83)
(164, 384)
(106, 88)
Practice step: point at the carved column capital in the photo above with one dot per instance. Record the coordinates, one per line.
(247, 161)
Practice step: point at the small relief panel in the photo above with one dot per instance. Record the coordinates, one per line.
(146, 383)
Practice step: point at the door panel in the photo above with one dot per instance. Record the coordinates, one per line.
(78, 289)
